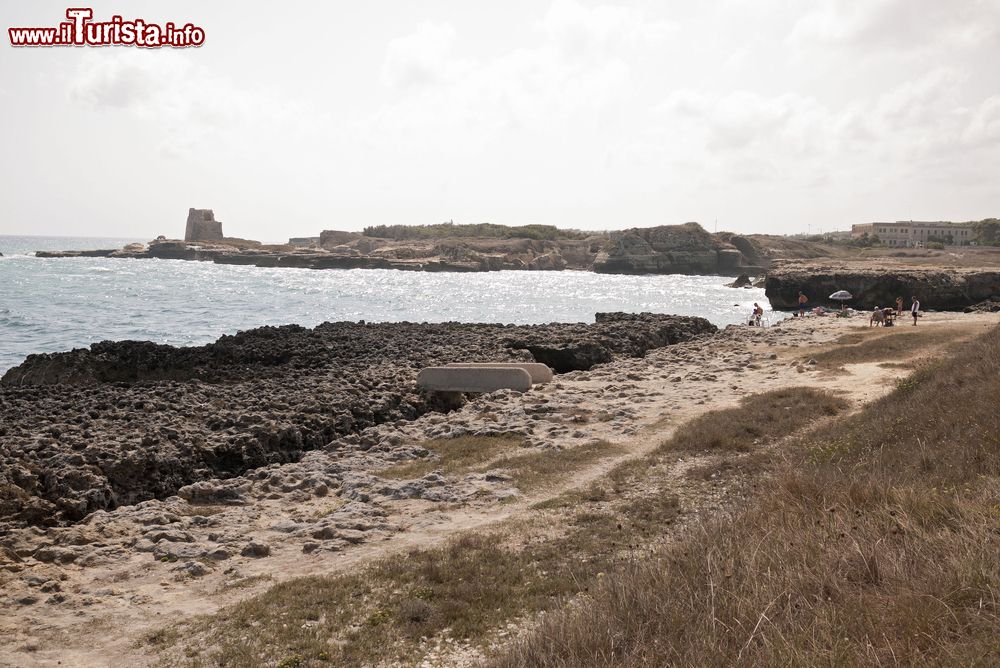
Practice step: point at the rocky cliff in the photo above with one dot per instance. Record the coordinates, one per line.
(676, 249)
(879, 284)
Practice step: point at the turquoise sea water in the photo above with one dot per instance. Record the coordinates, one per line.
(49, 305)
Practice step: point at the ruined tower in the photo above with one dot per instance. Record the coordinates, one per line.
(202, 226)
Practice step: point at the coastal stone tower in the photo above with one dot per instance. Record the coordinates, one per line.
(202, 226)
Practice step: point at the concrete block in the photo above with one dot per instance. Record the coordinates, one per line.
(473, 379)
(540, 373)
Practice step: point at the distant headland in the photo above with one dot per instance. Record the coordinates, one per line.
(872, 269)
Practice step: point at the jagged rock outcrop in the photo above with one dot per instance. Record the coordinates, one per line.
(742, 281)
(202, 226)
(753, 253)
(568, 348)
(879, 284)
(123, 422)
(670, 249)
(988, 306)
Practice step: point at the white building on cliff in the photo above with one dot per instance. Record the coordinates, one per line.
(910, 233)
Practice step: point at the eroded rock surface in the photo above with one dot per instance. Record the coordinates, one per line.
(124, 422)
(676, 249)
(879, 284)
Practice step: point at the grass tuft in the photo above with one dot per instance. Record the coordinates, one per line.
(884, 345)
(455, 455)
(758, 418)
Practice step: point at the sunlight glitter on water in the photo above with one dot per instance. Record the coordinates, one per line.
(49, 305)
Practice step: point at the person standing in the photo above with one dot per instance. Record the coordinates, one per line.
(802, 304)
(915, 310)
(899, 306)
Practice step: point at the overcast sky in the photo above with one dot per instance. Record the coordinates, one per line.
(768, 115)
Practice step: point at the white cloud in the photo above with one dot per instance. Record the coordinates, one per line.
(591, 113)
(901, 25)
(799, 141)
(187, 104)
(983, 128)
(582, 64)
(597, 32)
(421, 58)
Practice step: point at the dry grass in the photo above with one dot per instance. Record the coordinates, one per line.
(455, 455)
(759, 417)
(901, 343)
(466, 590)
(203, 510)
(533, 469)
(243, 582)
(751, 464)
(475, 584)
(528, 468)
(877, 543)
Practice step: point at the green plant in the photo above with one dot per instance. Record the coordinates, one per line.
(293, 661)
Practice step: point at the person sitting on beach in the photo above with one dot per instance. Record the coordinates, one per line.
(878, 317)
(888, 315)
(802, 304)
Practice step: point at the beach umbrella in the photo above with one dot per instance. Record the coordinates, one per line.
(841, 296)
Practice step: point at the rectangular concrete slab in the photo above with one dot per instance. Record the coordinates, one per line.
(540, 373)
(473, 379)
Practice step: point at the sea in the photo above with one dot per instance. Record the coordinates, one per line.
(52, 305)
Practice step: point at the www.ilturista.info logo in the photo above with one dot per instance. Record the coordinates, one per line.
(81, 31)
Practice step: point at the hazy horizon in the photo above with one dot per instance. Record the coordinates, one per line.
(769, 117)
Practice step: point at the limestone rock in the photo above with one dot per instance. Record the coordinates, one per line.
(256, 549)
(876, 284)
(333, 238)
(124, 423)
(986, 306)
(668, 249)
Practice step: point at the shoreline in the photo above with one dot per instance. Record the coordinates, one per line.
(195, 303)
(336, 508)
(943, 284)
(317, 260)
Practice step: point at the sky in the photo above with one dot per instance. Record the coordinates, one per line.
(773, 116)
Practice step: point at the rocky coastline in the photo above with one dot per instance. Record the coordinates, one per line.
(666, 249)
(125, 422)
(874, 284)
(105, 589)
